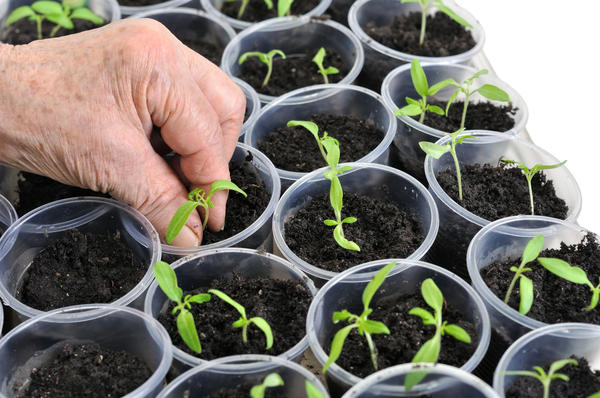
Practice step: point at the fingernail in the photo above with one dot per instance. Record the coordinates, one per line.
(187, 237)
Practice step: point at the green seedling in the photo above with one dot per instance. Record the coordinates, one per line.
(244, 322)
(265, 58)
(318, 60)
(284, 7)
(437, 150)
(530, 172)
(439, 4)
(245, 3)
(543, 377)
(312, 391)
(167, 281)
(197, 198)
(272, 380)
(366, 327)
(61, 15)
(330, 150)
(421, 107)
(430, 350)
(531, 252)
(595, 395)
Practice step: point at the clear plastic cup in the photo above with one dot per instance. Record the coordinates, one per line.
(336, 99)
(8, 215)
(458, 225)
(409, 194)
(380, 60)
(111, 327)
(398, 85)
(339, 10)
(545, 345)
(258, 234)
(293, 35)
(253, 105)
(229, 372)
(133, 10)
(200, 269)
(46, 224)
(443, 381)
(213, 7)
(345, 292)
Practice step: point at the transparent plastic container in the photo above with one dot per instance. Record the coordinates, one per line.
(398, 85)
(41, 227)
(133, 10)
(201, 269)
(293, 35)
(258, 234)
(409, 194)
(229, 372)
(213, 7)
(335, 99)
(380, 60)
(443, 381)
(253, 105)
(546, 345)
(345, 292)
(8, 215)
(457, 225)
(117, 328)
(339, 10)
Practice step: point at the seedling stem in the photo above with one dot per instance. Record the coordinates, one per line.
(543, 377)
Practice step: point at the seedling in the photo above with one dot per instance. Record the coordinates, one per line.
(198, 197)
(430, 350)
(244, 4)
(531, 252)
(530, 172)
(330, 149)
(543, 377)
(167, 280)
(284, 7)
(366, 327)
(61, 15)
(272, 380)
(318, 59)
(312, 391)
(244, 322)
(437, 150)
(265, 58)
(439, 4)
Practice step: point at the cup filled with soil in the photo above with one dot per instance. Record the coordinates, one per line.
(77, 251)
(253, 106)
(8, 215)
(299, 40)
(85, 351)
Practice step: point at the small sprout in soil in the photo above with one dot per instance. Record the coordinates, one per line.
(265, 58)
(366, 327)
(167, 280)
(244, 4)
(284, 7)
(59, 14)
(419, 80)
(543, 377)
(272, 380)
(318, 60)
(439, 4)
(430, 350)
(436, 151)
(312, 391)
(330, 149)
(595, 395)
(530, 172)
(198, 197)
(531, 252)
(243, 322)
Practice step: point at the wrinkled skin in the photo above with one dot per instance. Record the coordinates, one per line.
(80, 109)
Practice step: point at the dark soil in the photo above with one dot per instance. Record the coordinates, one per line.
(339, 12)
(583, 382)
(258, 11)
(139, 3)
(244, 391)
(547, 287)
(24, 31)
(282, 303)
(88, 370)
(383, 230)
(443, 37)
(295, 149)
(80, 269)
(480, 116)
(207, 49)
(295, 71)
(407, 335)
(241, 212)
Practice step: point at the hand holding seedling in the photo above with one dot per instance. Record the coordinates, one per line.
(272, 380)
(265, 58)
(543, 377)
(439, 4)
(531, 253)
(318, 60)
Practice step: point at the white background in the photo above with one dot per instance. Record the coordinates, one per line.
(549, 52)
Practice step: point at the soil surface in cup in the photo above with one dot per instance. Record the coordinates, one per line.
(244, 391)
(80, 268)
(208, 50)
(24, 31)
(295, 71)
(257, 10)
(295, 149)
(382, 230)
(87, 370)
(443, 37)
(139, 3)
(583, 382)
(407, 335)
(480, 116)
(282, 303)
(547, 306)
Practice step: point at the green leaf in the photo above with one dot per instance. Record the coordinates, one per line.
(272, 380)
(19, 13)
(179, 219)
(199, 298)
(331, 70)
(312, 391)
(526, 292)
(539, 167)
(436, 109)
(458, 333)
(434, 150)
(432, 294)
(451, 100)
(319, 57)
(74, 4)
(375, 327)
(88, 15)
(595, 395)
(266, 329)
(167, 281)
(375, 283)
(412, 101)
(61, 20)
(187, 331)
(464, 137)
(283, 7)
(310, 126)
(332, 148)
(344, 168)
(330, 223)
(422, 313)
(341, 316)
(477, 74)
(446, 10)
(261, 56)
(46, 8)
(559, 376)
(533, 249)
(337, 344)
(336, 194)
(239, 308)
(271, 54)
(221, 185)
(349, 220)
(594, 301)
(269, 3)
(563, 270)
(558, 365)
(419, 78)
(433, 90)
(429, 352)
(342, 241)
(493, 93)
(409, 110)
